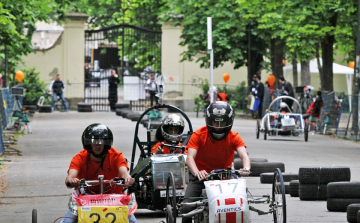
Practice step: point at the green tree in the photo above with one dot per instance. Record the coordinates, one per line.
(229, 33)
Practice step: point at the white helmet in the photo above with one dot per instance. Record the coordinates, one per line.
(172, 120)
(283, 105)
(214, 89)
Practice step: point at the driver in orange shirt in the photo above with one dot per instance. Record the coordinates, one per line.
(212, 147)
(172, 129)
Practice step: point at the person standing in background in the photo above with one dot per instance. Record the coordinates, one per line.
(57, 88)
(259, 93)
(152, 88)
(113, 84)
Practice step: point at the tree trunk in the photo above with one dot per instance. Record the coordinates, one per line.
(305, 73)
(321, 73)
(327, 47)
(295, 73)
(277, 52)
(255, 65)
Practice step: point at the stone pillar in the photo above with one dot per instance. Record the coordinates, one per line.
(73, 55)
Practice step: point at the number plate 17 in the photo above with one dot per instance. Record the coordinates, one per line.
(108, 214)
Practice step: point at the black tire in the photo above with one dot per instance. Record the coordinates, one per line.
(294, 188)
(32, 108)
(252, 160)
(287, 187)
(267, 178)
(312, 192)
(125, 113)
(85, 109)
(135, 117)
(278, 198)
(351, 212)
(265, 131)
(306, 131)
(258, 168)
(343, 190)
(129, 115)
(34, 216)
(171, 200)
(84, 105)
(60, 107)
(340, 204)
(45, 109)
(257, 129)
(323, 175)
(122, 105)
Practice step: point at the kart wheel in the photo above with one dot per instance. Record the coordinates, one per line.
(257, 129)
(171, 211)
(266, 131)
(34, 216)
(306, 131)
(278, 198)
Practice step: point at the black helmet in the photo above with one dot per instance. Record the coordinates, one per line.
(219, 119)
(97, 134)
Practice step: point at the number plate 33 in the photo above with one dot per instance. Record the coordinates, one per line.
(110, 214)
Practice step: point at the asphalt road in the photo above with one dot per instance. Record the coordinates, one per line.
(36, 179)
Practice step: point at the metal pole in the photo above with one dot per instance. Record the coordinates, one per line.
(249, 51)
(210, 50)
(356, 90)
(5, 78)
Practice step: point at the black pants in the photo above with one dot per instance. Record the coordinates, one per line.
(192, 193)
(152, 97)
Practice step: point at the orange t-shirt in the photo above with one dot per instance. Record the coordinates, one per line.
(213, 154)
(113, 160)
(166, 149)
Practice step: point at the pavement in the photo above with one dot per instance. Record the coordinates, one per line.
(36, 179)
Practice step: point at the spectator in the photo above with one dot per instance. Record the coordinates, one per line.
(57, 88)
(222, 96)
(113, 84)
(152, 88)
(315, 107)
(287, 90)
(259, 93)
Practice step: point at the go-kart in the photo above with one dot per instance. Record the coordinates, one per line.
(101, 207)
(226, 199)
(151, 170)
(281, 121)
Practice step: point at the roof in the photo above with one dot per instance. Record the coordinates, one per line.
(337, 68)
(45, 39)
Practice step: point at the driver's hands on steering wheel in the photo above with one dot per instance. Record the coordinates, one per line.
(159, 150)
(72, 182)
(201, 175)
(244, 172)
(128, 181)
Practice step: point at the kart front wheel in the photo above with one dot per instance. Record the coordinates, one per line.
(306, 132)
(278, 198)
(34, 216)
(257, 129)
(171, 211)
(266, 131)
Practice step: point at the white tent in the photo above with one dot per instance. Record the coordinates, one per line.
(337, 69)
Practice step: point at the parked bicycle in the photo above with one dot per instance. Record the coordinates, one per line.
(47, 98)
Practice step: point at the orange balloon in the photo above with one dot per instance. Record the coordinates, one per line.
(19, 75)
(352, 64)
(283, 62)
(226, 77)
(271, 79)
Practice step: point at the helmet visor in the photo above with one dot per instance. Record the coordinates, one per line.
(97, 142)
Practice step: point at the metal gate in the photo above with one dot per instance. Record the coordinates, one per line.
(128, 49)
